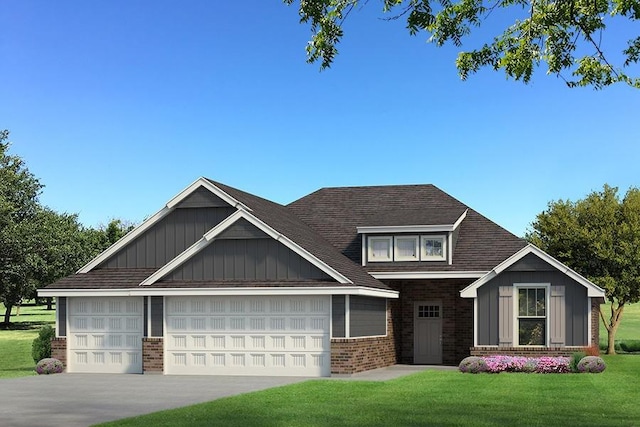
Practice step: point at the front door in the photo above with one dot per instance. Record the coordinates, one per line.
(427, 327)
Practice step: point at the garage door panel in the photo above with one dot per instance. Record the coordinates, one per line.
(248, 336)
(105, 335)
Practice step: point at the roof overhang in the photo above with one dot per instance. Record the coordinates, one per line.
(593, 290)
(248, 291)
(393, 229)
(381, 275)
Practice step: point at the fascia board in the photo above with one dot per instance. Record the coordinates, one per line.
(459, 220)
(427, 274)
(125, 240)
(248, 291)
(405, 229)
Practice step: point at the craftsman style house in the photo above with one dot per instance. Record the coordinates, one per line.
(222, 282)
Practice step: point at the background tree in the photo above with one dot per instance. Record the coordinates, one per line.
(568, 35)
(599, 237)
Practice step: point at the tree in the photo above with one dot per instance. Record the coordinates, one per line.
(599, 237)
(567, 35)
(19, 191)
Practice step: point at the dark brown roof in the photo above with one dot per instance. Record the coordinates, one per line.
(244, 284)
(104, 278)
(336, 212)
(286, 222)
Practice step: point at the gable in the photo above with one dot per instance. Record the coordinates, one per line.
(246, 259)
(531, 262)
(202, 198)
(242, 229)
(167, 238)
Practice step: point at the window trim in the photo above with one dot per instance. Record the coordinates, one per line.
(442, 238)
(371, 239)
(516, 310)
(416, 244)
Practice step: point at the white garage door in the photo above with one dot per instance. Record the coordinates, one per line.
(284, 336)
(105, 335)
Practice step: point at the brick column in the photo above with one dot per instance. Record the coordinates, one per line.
(152, 355)
(59, 350)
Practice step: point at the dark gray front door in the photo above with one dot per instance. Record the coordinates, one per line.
(427, 328)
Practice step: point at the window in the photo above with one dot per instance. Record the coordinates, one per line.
(532, 321)
(432, 248)
(432, 311)
(380, 249)
(406, 248)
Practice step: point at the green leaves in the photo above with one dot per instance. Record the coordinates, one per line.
(567, 35)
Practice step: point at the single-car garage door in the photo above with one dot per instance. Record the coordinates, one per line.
(233, 335)
(105, 334)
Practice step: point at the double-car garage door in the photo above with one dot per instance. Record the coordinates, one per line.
(205, 335)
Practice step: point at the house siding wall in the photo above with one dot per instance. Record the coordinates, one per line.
(157, 317)
(575, 304)
(367, 316)
(168, 238)
(338, 329)
(61, 311)
(353, 355)
(247, 259)
(457, 316)
(202, 198)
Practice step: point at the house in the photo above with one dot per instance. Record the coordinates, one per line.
(343, 280)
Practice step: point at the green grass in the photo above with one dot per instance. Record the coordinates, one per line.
(629, 327)
(434, 398)
(15, 342)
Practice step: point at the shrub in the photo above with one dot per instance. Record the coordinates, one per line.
(49, 366)
(575, 359)
(592, 364)
(553, 365)
(630, 346)
(41, 347)
(473, 365)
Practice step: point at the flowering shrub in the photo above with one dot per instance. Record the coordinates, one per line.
(473, 365)
(49, 365)
(497, 364)
(593, 364)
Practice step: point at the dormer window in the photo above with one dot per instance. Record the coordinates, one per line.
(380, 249)
(406, 248)
(432, 248)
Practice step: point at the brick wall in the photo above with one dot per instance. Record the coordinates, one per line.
(152, 355)
(352, 355)
(59, 350)
(525, 351)
(457, 316)
(595, 320)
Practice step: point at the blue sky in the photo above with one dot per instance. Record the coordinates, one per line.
(118, 105)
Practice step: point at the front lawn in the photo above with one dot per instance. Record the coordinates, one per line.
(15, 342)
(438, 398)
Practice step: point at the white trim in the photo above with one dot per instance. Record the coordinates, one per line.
(590, 317)
(475, 322)
(347, 316)
(450, 248)
(226, 223)
(148, 325)
(290, 290)
(459, 220)
(516, 310)
(404, 229)
(364, 250)
(427, 274)
(125, 240)
(471, 291)
(168, 208)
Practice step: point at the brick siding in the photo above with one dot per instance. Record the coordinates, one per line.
(525, 351)
(152, 355)
(352, 355)
(59, 350)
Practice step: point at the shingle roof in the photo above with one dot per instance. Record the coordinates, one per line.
(336, 212)
(104, 278)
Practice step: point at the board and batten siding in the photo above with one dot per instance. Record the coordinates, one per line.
(247, 259)
(61, 311)
(367, 316)
(338, 327)
(495, 308)
(168, 238)
(157, 317)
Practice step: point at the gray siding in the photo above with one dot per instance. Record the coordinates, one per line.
(61, 307)
(168, 238)
(575, 305)
(202, 198)
(368, 316)
(337, 316)
(242, 229)
(157, 315)
(530, 262)
(247, 259)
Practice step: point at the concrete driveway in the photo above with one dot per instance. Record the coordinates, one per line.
(86, 399)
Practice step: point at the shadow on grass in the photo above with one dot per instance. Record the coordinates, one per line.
(23, 326)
